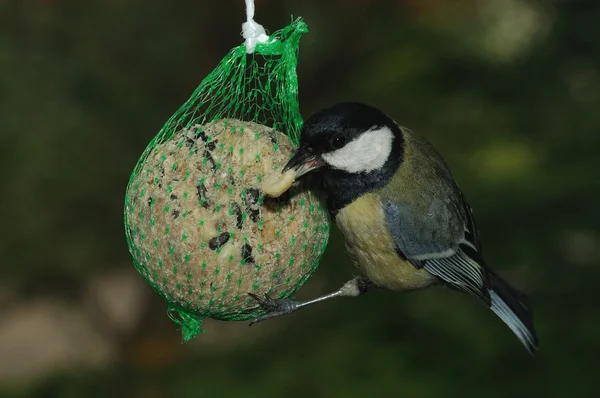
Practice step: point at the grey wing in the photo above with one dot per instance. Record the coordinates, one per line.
(445, 242)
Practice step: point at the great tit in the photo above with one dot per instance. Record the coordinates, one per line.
(406, 223)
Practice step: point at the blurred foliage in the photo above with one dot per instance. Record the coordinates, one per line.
(507, 90)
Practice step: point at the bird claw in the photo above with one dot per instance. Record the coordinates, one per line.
(273, 307)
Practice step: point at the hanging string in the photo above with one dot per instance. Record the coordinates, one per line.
(252, 31)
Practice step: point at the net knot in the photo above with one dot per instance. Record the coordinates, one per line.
(254, 33)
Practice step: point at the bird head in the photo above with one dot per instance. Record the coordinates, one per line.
(349, 148)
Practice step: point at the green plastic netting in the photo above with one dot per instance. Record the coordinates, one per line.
(198, 227)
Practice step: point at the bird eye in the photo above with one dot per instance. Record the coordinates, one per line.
(338, 142)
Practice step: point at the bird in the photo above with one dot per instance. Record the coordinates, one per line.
(406, 223)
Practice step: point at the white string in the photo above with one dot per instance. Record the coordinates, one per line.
(252, 31)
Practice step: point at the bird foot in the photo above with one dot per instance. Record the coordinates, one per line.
(273, 307)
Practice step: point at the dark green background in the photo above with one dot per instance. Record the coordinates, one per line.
(507, 90)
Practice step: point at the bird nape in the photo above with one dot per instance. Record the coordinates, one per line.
(406, 223)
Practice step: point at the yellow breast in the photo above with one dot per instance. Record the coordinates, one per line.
(371, 247)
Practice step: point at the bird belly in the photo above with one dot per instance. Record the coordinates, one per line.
(371, 247)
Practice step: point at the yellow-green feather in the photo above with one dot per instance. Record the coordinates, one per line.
(371, 247)
(423, 183)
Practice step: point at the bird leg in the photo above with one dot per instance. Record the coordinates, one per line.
(353, 288)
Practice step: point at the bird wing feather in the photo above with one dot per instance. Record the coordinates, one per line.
(452, 257)
(430, 221)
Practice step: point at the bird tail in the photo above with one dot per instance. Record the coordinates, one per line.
(514, 309)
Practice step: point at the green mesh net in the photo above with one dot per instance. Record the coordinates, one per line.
(198, 227)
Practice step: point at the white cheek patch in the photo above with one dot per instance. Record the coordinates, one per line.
(366, 153)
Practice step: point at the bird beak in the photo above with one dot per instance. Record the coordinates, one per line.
(303, 162)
